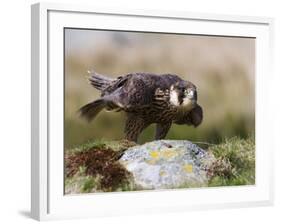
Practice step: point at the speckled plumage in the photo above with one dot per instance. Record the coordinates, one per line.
(146, 99)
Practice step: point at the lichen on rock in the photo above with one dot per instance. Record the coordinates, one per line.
(168, 164)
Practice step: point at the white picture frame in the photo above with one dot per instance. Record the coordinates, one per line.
(48, 201)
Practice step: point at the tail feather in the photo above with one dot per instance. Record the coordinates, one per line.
(90, 110)
(99, 81)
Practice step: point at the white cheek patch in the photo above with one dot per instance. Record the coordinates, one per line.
(187, 103)
(174, 98)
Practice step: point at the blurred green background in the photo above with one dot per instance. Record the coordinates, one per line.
(222, 68)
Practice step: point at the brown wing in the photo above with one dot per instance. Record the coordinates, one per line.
(194, 117)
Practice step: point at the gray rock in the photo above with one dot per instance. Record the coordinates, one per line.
(167, 164)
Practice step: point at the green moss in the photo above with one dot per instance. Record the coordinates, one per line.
(89, 184)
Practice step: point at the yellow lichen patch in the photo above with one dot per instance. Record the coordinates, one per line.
(188, 168)
(168, 154)
(162, 173)
(154, 154)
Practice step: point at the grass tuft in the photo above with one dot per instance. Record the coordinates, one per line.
(235, 163)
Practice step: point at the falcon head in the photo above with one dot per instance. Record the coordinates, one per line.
(183, 94)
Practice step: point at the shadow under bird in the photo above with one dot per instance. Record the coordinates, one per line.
(146, 99)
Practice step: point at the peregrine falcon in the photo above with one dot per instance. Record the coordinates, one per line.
(146, 99)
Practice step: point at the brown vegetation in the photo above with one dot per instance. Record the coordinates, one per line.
(100, 163)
